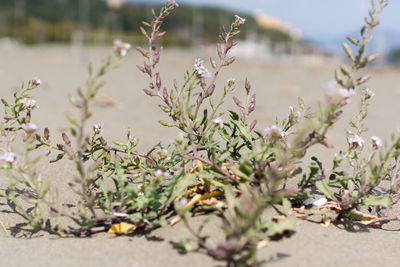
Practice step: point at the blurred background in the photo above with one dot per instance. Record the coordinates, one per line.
(308, 31)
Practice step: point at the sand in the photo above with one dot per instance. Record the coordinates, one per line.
(63, 68)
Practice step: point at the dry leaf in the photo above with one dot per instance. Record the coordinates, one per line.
(262, 244)
(122, 228)
(301, 216)
(212, 202)
(331, 205)
(198, 197)
(197, 166)
(174, 220)
(326, 222)
(278, 218)
(108, 101)
(367, 219)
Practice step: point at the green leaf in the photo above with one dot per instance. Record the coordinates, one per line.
(378, 201)
(286, 205)
(224, 134)
(244, 131)
(280, 227)
(182, 185)
(323, 187)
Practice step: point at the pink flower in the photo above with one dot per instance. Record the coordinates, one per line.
(218, 121)
(30, 127)
(275, 131)
(121, 48)
(9, 157)
(239, 20)
(29, 103)
(356, 141)
(377, 143)
(368, 93)
(200, 69)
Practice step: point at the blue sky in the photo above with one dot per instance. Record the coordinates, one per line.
(316, 19)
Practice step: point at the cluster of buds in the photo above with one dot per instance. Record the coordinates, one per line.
(120, 48)
(29, 103)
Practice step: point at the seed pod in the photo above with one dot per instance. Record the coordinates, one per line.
(348, 51)
(149, 92)
(247, 86)
(46, 133)
(158, 80)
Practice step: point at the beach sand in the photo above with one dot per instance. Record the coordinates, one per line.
(123, 104)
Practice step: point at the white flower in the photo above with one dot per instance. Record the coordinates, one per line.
(167, 174)
(275, 131)
(377, 143)
(368, 93)
(29, 103)
(183, 201)
(338, 95)
(200, 69)
(218, 121)
(121, 48)
(36, 81)
(132, 140)
(231, 81)
(158, 173)
(30, 127)
(356, 142)
(294, 113)
(97, 128)
(9, 157)
(239, 20)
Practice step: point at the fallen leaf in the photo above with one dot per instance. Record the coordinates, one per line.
(330, 205)
(278, 218)
(326, 222)
(262, 244)
(212, 202)
(364, 218)
(122, 228)
(199, 197)
(174, 220)
(108, 101)
(301, 216)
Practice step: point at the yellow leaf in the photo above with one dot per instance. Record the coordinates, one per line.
(197, 166)
(198, 198)
(122, 228)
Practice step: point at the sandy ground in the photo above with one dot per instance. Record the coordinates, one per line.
(62, 69)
